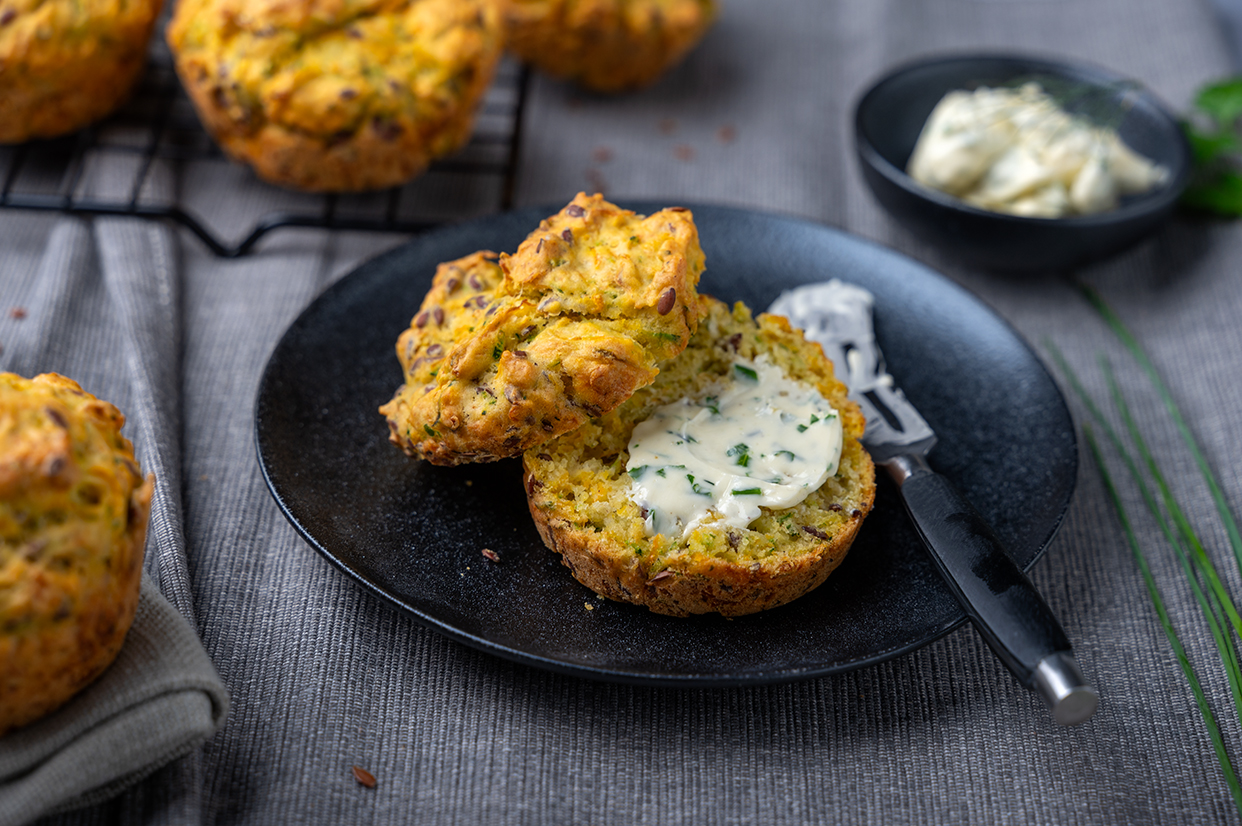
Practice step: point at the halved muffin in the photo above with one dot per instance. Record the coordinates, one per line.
(581, 486)
(509, 351)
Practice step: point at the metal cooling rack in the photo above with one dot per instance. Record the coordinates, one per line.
(158, 127)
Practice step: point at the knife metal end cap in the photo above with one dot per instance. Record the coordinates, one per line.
(1061, 683)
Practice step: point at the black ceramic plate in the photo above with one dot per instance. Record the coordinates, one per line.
(413, 533)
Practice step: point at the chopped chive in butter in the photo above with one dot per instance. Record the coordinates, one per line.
(740, 448)
(748, 372)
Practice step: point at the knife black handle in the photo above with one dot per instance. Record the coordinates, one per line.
(997, 596)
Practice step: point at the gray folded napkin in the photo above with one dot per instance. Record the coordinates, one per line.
(158, 701)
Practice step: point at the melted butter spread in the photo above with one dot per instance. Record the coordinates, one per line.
(1018, 151)
(759, 440)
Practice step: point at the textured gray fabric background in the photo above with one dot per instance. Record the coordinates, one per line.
(324, 676)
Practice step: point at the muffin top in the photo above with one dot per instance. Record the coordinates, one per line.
(606, 45)
(34, 29)
(332, 67)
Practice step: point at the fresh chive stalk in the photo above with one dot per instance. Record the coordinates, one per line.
(1219, 603)
(1131, 344)
(1217, 606)
(1200, 557)
(1209, 720)
(1213, 606)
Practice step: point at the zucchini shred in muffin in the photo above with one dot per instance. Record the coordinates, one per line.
(337, 95)
(73, 519)
(606, 45)
(506, 354)
(67, 63)
(579, 490)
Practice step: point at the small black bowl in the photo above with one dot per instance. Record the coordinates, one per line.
(891, 114)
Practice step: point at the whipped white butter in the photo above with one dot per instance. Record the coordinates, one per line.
(838, 316)
(760, 440)
(1017, 151)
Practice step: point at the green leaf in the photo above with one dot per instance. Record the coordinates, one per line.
(1221, 194)
(1209, 146)
(1216, 149)
(1221, 101)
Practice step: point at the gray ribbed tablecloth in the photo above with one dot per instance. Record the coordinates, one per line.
(324, 676)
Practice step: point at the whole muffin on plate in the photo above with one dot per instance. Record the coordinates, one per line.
(619, 520)
(508, 351)
(337, 95)
(606, 45)
(67, 63)
(73, 523)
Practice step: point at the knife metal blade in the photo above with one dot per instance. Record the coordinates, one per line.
(998, 597)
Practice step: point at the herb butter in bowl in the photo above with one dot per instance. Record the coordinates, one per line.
(1020, 163)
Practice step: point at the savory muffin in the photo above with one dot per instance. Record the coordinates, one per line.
(73, 522)
(337, 95)
(606, 45)
(620, 520)
(508, 351)
(67, 63)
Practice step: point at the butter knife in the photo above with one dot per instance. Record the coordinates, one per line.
(998, 597)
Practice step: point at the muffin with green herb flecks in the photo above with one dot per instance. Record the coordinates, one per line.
(581, 487)
(337, 95)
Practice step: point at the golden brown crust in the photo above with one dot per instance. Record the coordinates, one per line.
(606, 45)
(67, 63)
(507, 352)
(73, 520)
(578, 492)
(337, 95)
